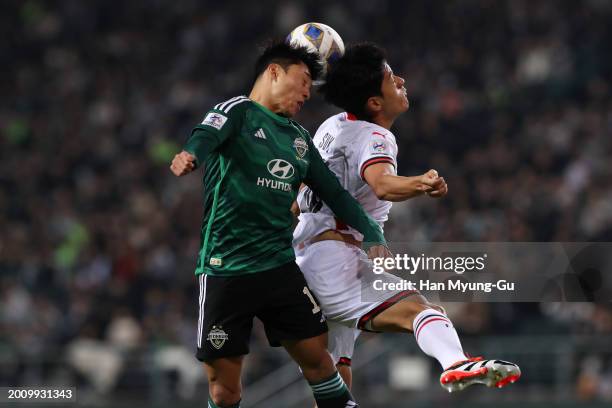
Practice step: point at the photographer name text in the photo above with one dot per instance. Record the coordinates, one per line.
(456, 285)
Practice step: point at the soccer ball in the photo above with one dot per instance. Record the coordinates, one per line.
(319, 38)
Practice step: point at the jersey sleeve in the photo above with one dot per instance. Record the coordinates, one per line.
(325, 184)
(215, 129)
(377, 147)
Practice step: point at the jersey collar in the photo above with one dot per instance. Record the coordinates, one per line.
(271, 114)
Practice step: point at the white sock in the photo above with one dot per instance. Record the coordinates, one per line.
(437, 337)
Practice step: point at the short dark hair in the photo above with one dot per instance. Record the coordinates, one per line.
(283, 54)
(354, 78)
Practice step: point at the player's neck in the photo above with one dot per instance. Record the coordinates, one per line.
(383, 121)
(258, 94)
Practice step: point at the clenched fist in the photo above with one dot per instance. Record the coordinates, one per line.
(183, 163)
(437, 184)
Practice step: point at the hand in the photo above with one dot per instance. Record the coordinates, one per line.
(427, 181)
(183, 163)
(379, 251)
(295, 209)
(439, 189)
(433, 185)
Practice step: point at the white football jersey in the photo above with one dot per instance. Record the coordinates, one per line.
(348, 146)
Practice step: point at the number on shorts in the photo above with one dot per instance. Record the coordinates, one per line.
(316, 309)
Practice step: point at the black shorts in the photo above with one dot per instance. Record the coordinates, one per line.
(279, 297)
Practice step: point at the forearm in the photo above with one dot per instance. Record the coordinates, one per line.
(390, 187)
(200, 144)
(347, 209)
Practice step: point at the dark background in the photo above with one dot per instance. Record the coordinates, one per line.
(510, 102)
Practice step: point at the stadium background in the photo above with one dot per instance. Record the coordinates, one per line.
(510, 101)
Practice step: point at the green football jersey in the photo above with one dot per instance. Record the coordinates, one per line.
(254, 162)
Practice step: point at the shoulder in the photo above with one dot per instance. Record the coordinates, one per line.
(232, 108)
(380, 131)
(371, 133)
(331, 126)
(334, 119)
(235, 104)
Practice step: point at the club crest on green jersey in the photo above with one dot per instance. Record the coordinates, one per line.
(217, 337)
(300, 146)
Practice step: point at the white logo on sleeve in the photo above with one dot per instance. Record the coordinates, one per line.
(379, 146)
(260, 134)
(215, 120)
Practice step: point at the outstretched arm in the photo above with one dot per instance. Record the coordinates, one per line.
(205, 138)
(388, 186)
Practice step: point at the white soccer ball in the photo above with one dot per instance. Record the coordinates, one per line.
(319, 38)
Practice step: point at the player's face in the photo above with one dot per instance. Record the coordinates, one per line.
(394, 93)
(291, 89)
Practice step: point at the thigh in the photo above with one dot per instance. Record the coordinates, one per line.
(341, 342)
(225, 317)
(308, 352)
(291, 311)
(335, 272)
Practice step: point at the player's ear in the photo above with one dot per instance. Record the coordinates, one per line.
(374, 104)
(274, 70)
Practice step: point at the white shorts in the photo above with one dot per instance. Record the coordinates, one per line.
(341, 342)
(341, 277)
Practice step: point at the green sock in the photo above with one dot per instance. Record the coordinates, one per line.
(332, 393)
(211, 404)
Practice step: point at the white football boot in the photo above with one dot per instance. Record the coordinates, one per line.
(492, 373)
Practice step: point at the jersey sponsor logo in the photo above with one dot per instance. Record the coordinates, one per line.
(300, 146)
(260, 134)
(281, 169)
(273, 184)
(216, 261)
(217, 337)
(215, 120)
(378, 146)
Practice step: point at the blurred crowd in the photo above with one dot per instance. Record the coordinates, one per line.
(510, 102)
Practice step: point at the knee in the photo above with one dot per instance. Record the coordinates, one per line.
(319, 367)
(222, 395)
(437, 307)
(422, 306)
(413, 309)
(420, 303)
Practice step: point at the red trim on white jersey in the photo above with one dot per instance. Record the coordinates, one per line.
(374, 160)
